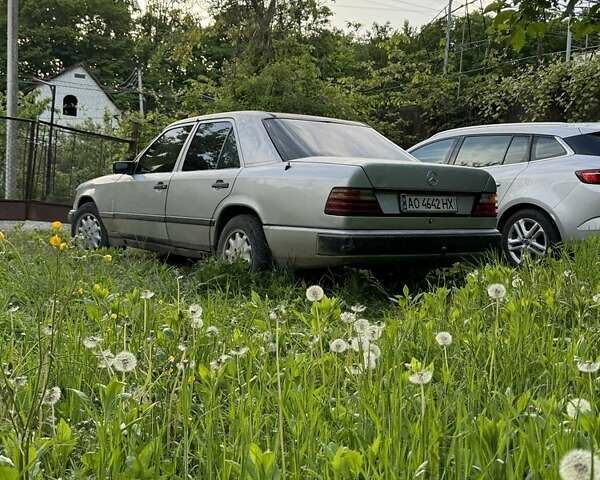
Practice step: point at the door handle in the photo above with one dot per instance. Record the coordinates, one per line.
(220, 184)
(160, 186)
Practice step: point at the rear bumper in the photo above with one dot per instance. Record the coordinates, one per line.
(307, 247)
(407, 243)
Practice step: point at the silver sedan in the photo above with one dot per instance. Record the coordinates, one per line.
(291, 189)
(548, 178)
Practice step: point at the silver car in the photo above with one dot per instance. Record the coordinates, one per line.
(296, 190)
(548, 177)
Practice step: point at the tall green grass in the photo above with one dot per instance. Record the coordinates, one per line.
(257, 393)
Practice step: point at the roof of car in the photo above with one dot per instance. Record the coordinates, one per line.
(260, 115)
(558, 129)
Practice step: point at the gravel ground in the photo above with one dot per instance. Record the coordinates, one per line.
(26, 225)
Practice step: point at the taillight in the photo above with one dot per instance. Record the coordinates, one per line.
(589, 176)
(352, 201)
(486, 206)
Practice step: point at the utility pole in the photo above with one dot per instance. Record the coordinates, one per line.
(569, 39)
(141, 95)
(12, 89)
(448, 26)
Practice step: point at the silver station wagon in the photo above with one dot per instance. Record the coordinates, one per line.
(291, 189)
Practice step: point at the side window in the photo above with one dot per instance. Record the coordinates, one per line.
(435, 152)
(547, 147)
(518, 152)
(483, 150)
(162, 154)
(213, 146)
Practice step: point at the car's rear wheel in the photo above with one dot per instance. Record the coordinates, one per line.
(88, 227)
(243, 238)
(528, 233)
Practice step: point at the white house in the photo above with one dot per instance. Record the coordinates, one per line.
(79, 98)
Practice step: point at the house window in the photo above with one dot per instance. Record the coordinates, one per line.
(80, 75)
(70, 106)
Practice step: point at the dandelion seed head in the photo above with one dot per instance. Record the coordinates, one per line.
(578, 464)
(195, 310)
(421, 378)
(373, 333)
(517, 282)
(577, 407)
(239, 352)
(273, 315)
(338, 346)
(314, 293)
(52, 396)
(361, 326)
(124, 362)
(146, 294)
(496, 291)
(369, 362)
(444, 339)
(212, 331)
(196, 322)
(358, 308)
(105, 359)
(91, 342)
(588, 366)
(373, 351)
(348, 317)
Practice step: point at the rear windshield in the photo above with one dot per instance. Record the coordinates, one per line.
(588, 144)
(295, 139)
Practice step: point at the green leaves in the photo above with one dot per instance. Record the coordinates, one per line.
(346, 463)
(261, 465)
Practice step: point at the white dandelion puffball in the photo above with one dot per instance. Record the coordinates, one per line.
(314, 293)
(421, 378)
(124, 362)
(273, 315)
(338, 346)
(373, 351)
(212, 331)
(577, 465)
(105, 359)
(588, 366)
(596, 298)
(444, 339)
(196, 322)
(361, 326)
(496, 291)
(369, 362)
(348, 317)
(517, 282)
(240, 352)
(195, 310)
(357, 344)
(577, 407)
(373, 333)
(52, 396)
(358, 308)
(146, 294)
(91, 342)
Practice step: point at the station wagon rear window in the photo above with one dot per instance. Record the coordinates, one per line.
(296, 139)
(585, 144)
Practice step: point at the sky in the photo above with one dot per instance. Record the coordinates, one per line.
(366, 12)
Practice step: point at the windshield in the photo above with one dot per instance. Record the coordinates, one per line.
(295, 139)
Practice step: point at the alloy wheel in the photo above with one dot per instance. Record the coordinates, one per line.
(526, 237)
(237, 246)
(90, 231)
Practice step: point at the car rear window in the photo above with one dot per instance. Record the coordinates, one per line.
(588, 144)
(295, 139)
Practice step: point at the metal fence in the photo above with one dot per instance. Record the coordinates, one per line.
(51, 160)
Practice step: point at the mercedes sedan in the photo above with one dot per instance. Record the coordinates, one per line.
(291, 189)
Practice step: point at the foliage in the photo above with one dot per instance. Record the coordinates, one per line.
(214, 397)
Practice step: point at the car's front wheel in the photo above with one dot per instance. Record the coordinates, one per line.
(88, 227)
(243, 238)
(528, 233)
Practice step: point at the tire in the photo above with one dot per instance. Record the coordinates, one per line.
(531, 231)
(88, 224)
(243, 238)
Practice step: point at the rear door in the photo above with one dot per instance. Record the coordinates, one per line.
(203, 179)
(504, 156)
(139, 212)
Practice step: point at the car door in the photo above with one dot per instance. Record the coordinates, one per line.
(139, 211)
(203, 178)
(504, 156)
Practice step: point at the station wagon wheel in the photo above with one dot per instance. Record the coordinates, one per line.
(528, 234)
(243, 238)
(88, 227)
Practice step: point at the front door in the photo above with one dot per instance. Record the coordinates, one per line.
(139, 211)
(202, 181)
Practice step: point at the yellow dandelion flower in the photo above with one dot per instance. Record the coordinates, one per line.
(107, 258)
(62, 246)
(55, 241)
(80, 291)
(56, 225)
(113, 316)
(2, 236)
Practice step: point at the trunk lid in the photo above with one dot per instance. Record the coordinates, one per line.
(406, 176)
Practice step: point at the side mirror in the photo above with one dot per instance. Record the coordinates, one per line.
(124, 166)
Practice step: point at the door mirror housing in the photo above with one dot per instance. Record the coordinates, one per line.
(124, 166)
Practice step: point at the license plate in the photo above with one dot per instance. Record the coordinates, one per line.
(428, 204)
